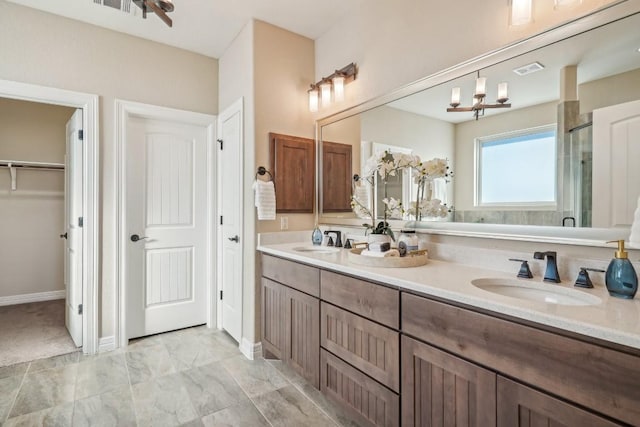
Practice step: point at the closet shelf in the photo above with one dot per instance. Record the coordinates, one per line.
(12, 165)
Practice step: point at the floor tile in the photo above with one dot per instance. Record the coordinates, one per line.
(329, 408)
(189, 350)
(242, 415)
(114, 408)
(54, 362)
(16, 369)
(45, 389)
(193, 423)
(254, 376)
(287, 372)
(146, 363)
(100, 375)
(288, 407)
(57, 416)
(163, 401)
(8, 390)
(211, 388)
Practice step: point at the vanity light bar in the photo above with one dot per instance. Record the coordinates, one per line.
(333, 83)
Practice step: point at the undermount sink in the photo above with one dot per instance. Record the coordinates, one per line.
(535, 291)
(317, 249)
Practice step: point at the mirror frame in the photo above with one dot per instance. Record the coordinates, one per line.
(562, 235)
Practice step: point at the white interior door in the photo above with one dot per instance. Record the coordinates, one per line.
(230, 246)
(73, 228)
(616, 176)
(166, 220)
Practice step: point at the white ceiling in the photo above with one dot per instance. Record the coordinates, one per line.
(204, 26)
(599, 53)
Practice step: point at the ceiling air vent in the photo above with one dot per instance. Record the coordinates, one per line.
(528, 69)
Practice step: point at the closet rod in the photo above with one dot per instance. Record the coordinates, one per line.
(31, 165)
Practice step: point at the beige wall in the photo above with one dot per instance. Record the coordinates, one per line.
(466, 132)
(612, 90)
(49, 50)
(32, 217)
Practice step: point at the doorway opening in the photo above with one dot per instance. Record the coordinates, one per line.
(32, 190)
(36, 186)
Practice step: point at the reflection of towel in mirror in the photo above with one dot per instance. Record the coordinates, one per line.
(635, 227)
(439, 189)
(265, 199)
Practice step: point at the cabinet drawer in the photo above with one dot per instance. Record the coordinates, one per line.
(372, 301)
(370, 347)
(596, 377)
(297, 276)
(370, 403)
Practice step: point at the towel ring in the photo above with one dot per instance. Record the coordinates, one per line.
(262, 171)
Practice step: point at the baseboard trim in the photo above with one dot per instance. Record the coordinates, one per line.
(106, 344)
(251, 350)
(35, 297)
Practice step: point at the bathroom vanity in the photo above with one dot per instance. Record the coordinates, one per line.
(423, 346)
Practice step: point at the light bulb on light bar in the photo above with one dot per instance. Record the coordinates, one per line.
(521, 12)
(481, 87)
(325, 91)
(338, 88)
(562, 3)
(313, 100)
(503, 92)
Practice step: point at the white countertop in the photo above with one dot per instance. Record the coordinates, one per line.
(614, 319)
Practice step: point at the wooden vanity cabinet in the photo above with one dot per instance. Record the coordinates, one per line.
(290, 317)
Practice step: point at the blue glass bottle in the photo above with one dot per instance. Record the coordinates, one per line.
(621, 278)
(316, 236)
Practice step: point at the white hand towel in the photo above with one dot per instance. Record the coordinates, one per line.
(265, 199)
(635, 227)
(389, 253)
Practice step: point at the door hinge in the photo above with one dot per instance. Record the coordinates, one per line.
(221, 143)
(80, 221)
(220, 219)
(79, 308)
(81, 134)
(221, 295)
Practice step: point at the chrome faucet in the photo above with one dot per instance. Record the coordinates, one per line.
(338, 243)
(551, 273)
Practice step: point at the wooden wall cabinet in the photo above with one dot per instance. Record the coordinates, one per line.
(293, 165)
(337, 176)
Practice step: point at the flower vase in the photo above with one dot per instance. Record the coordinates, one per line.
(378, 238)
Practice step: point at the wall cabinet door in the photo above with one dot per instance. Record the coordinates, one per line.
(302, 335)
(273, 318)
(439, 389)
(521, 406)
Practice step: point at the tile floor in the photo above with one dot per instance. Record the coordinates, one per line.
(192, 377)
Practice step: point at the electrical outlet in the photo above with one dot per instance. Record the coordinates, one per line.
(284, 223)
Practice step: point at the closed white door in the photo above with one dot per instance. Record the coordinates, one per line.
(73, 228)
(166, 220)
(616, 176)
(231, 243)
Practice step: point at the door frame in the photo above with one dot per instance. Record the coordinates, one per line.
(89, 103)
(124, 110)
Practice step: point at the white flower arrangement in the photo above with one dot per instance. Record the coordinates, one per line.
(388, 164)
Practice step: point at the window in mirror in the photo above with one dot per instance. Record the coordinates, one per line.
(517, 168)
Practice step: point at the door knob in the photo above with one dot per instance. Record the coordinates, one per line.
(64, 236)
(135, 238)
(235, 239)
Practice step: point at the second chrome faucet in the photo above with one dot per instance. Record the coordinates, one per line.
(551, 272)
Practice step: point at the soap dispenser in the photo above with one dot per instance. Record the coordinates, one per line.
(621, 278)
(316, 236)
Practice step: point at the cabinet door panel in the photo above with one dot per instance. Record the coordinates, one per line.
(521, 406)
(370, 347)
(302, 332)
(440, 389)
(297, 276)
(273, 321)
(370, 403)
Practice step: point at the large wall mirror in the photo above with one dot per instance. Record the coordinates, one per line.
(565, 154)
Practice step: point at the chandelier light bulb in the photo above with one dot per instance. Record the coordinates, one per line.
(455, 97)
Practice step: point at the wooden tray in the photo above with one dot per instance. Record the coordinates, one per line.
(393, 262)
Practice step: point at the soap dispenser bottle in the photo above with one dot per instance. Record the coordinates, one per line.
(316, 236)
(621, 278)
